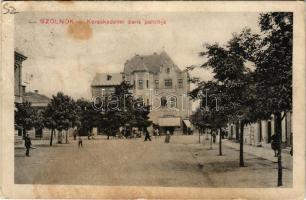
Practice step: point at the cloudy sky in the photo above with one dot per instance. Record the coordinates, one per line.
(65, 58)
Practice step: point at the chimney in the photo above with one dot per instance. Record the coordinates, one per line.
(36, 91)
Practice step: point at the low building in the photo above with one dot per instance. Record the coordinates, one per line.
(259, 134)
(39, 102)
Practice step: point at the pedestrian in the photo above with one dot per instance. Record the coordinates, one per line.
(75, 134)
(274, 144)
(147, 135)
(167, 138)
(157, 132)
(214, 137)
(80, 141)
(27, 143)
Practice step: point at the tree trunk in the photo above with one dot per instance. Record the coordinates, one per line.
(241, 161)
(278, 129)
(24, 133)
(67, 137)
(260, 131)
(200, 137)
(237, 131)
(51, 138)
(220, 143)
(211, 139)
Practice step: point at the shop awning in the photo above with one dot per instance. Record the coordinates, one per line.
(169, 121)
(187, 122)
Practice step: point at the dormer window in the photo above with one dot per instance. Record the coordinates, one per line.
(109, 77)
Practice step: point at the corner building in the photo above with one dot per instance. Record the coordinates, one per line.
(162, 85)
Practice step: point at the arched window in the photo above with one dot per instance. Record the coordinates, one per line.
(163, 102)
(173, 102)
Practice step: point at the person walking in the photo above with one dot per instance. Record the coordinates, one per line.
(274, 144)
(157, 132)
(27, 143)
(75, 134)
(167, 138)
(80, 141)
(147, 135)
(214, 137)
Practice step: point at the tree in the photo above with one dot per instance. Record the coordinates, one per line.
(229, 64)
(212, 112)
(25, 116)
(61, 114)
(274, 71)
(38, 119)
(88, 116)
(141, 114)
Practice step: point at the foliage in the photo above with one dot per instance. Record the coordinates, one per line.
(25, 115)
(274, 64)
(61, 113)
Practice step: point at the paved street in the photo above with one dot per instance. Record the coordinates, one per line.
(133, 162)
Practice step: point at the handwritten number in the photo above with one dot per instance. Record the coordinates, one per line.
(9, 9)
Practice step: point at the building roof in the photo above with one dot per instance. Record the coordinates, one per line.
(107, 79)
(35, 97)
(150, 63)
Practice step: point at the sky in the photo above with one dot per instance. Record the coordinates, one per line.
(65, 57)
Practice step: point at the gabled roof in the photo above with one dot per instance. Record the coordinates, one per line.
(151, 63)
(107, 79)
(34, 97)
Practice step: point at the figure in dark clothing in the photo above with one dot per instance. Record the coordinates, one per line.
(80, 141)
(214, 137)
(167, 138)
(74, 134)
(147, 136)
(275, 144)
(27, 143)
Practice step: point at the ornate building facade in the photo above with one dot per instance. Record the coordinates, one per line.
(160, 83)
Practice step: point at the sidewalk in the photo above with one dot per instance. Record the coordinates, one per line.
(266, 153)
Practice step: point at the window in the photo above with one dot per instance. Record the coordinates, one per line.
(109, 77)
(163, 102)
(173, 102)
(168, 70)
(148, 103)
(147, 83)
(168, 83)
(180, 83)
(134, 84)
(140, 84)
(156, 84)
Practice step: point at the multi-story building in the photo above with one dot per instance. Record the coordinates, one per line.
(104, 84)
(159, 82)
(19, 88)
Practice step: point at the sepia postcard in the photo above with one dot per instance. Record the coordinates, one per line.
(152, 100)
